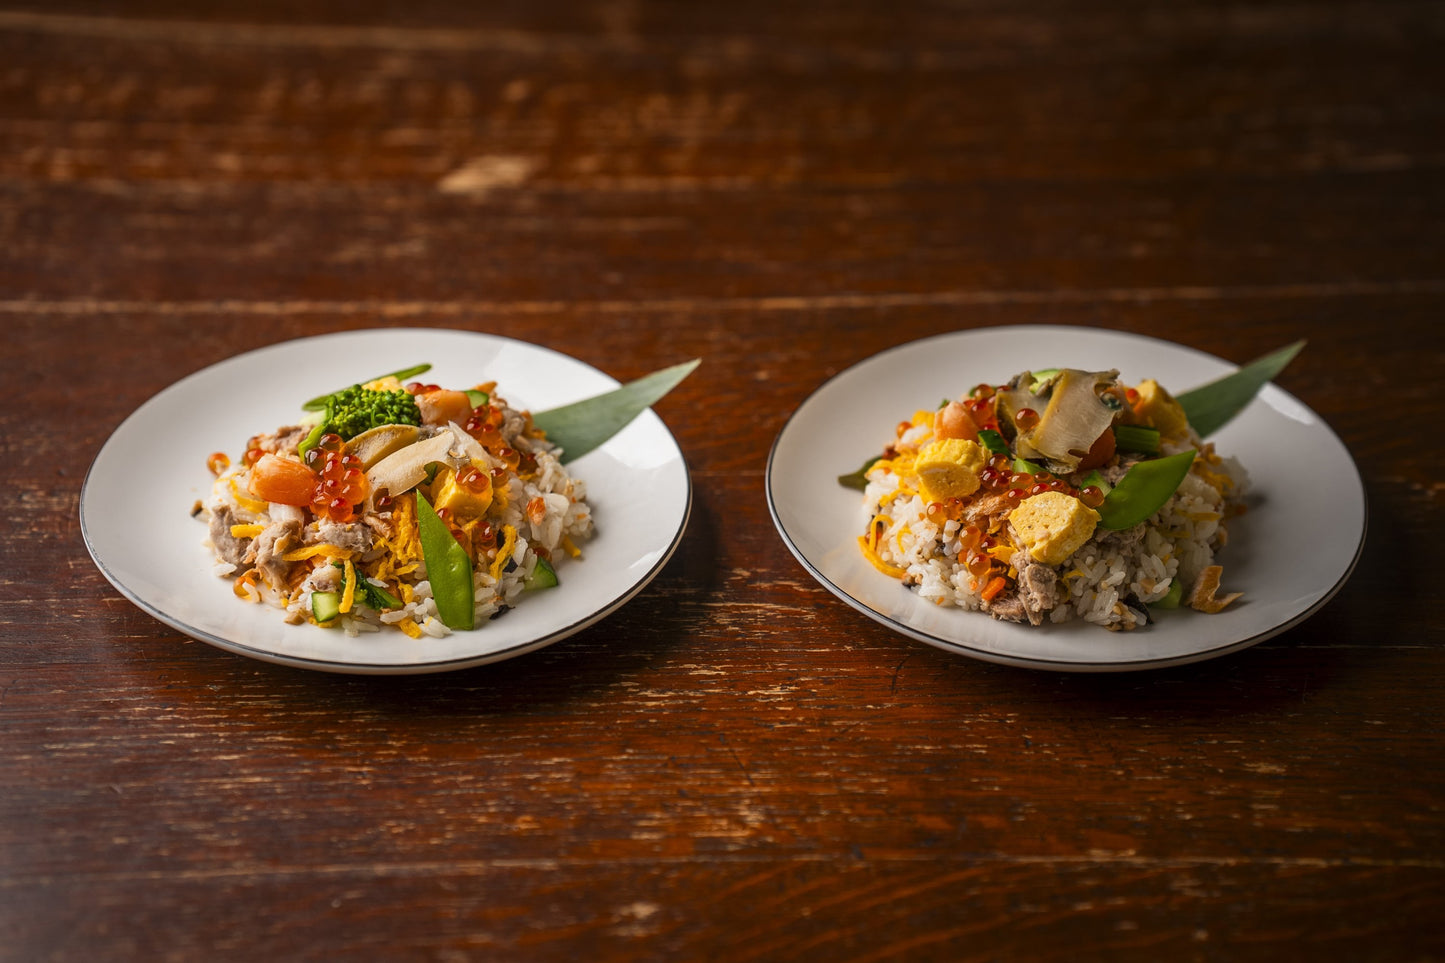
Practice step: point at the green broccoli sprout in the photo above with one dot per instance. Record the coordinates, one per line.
(353, 410)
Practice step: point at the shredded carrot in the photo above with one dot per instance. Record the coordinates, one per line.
(875, 530)
(348, 591)
(310, 551)
(878, 563)
(994, 587)
(407, 540)
(250, 504)
(900, 490)
(509, 542)
(245, 586)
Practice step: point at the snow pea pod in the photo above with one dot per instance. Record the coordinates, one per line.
(1143, 490)
(447, 568)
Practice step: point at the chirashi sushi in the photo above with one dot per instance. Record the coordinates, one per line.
(1059, 495)
(394, 506)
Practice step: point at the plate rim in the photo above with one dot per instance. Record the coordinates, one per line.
(345, 667)
(1042, 663)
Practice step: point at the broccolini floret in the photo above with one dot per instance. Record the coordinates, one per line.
(353, 410)
(356, 409)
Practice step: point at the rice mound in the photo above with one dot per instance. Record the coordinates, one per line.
(537, 512)
(1110, 580)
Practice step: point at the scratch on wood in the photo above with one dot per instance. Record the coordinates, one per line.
(327, 36)
(737, 759)
(780, 303)
(893, 685)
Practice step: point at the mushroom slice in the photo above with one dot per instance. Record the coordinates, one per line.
(404, 469)
(1012, 398)
(374, 444)
(1075, 418)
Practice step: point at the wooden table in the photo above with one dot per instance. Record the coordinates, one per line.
(735, 765)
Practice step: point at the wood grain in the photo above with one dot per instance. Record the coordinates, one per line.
(735, 765)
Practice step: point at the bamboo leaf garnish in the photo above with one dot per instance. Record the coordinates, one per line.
(584, 425)
(859, 479)
(1210, 407)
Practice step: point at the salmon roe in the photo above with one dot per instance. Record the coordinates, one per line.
(341, 485)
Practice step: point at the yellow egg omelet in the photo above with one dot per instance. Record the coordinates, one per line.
(949, 468)
(1053, 525)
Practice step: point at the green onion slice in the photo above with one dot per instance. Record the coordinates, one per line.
(1137, 438)
(993, 441)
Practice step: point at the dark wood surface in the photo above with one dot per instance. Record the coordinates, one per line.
(734, 766)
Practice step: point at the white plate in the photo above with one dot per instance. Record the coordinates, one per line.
(135, 506)
(1289, 553)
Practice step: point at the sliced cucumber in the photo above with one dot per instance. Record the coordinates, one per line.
(543, 576)
(325, 605)
(1172, 598)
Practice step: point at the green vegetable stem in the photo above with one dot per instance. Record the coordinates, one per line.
(447, 567)
(319, 402)
(1137, 438)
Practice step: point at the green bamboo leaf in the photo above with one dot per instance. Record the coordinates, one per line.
(584, 425)
(1143, 490)
(1210, 407)
(859, 479)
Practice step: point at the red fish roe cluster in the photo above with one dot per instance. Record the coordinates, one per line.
(340, 485)
(485, 425)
